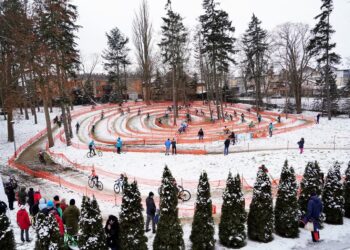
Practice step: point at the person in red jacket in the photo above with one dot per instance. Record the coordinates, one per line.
(23, 222)
(59, 221)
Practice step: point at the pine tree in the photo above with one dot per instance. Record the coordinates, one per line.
(169, 231)
(232, 232)
(286, 209)
(347, 191)
(260, 217)
(92, 235)
(116, 57)
(255, 48)
(202, 234)
(7, 239)
(47, 233)
(312, 182)
(132, 233)
(321, 47)
(332, 197)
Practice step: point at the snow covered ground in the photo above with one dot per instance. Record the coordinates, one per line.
(320, 143)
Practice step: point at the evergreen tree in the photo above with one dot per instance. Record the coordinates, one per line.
(232, 232)
(92, 235)
(321, 47)
(312, 182)
(218, 45)
(173, 48)
(47, 233)
(116, 57)
(332, 197)
(255, 49)
(169, 231)
(202, 234)
(7, 239)
(286, 209)
(132, 233)
(260, 217)
(347, 191)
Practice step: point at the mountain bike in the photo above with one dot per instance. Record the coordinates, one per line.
(182, 194)
(93, 182)
(70, 241)
(91, 154)
(118, 185)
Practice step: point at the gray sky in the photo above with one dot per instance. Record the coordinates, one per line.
(99, 17)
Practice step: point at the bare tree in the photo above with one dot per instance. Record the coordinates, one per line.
(142, 38)
(291, 40)
(88, 66)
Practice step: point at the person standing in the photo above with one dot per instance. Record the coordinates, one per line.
(77, 126)
(119, 145)
(301, 145)
(112, 232)
(10, 192)
(242, 117)
(167, 146)
(259, 118)
(314, 210)
(22, 196)
(233, 138)
(23, 222)
(318, 118)
(173, 146)
(71, 218)
(227, 145)
(270, 129)
(200, 134)
(151, 212)
(30, 200)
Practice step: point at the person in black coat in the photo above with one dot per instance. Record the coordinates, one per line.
(227, 144)
(314, 210)
(112, 232)
(301, 145)
(151, 212)
(173, 146)
(10, 192)
(30, 200)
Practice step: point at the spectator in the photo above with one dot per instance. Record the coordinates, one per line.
(233, 138)
(77, 126)
(71, 218)
(167, 146)
(318, 118)
(200, 134)
(173, 146)
(119, 145)
(49, 207)
(42, 204)
(59, 221)
(30, 200)
(23, 222)
(10, 192)
(63, 205)
(301, 145)
(112, 232)
(227, 145)
(314, 210)
(270, 129)
(3, 207)
(242, 118)
(22, 196)
(151, 212)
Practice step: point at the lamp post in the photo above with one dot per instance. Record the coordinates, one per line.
(14, 139)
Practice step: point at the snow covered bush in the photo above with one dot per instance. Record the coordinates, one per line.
(7, 240)
(347, 191)
(132, 233)
(333, 200)
(91, 235)
(169, 231)
(260, 217)
(232, 232)
(312, 182)
(286, 209)
(202, 234)
(47, 233)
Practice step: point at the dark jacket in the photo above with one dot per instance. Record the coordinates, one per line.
(30, 197)
(150, 206)
(22, 196)
(314, 208)
(200, 133)
(10, 191)
(112, 232)
(71, 218)
(173, 144)
(227, 143)
(301, 143)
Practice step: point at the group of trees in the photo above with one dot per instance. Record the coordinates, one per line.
(262, 219)
(38, 54)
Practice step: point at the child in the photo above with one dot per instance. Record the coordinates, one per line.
(301, 145)
(23, 222)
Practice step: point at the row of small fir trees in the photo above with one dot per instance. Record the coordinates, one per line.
(262, 220)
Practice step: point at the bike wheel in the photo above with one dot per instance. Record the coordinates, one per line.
(185, 195)
(88, 155)
(116, 188)
(99, 153)
(91, 183)
(99, 185)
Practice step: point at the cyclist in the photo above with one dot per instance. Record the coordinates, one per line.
(92, 147)
(102, 114)
(93, 175)
(121, 180)
(93, 129)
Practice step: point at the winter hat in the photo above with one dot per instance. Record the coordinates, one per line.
(151, 194)
(42, 204)
(49, 204)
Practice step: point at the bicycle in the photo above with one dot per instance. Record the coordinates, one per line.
(118, 184)
(70, 241)
(93, 182)
(182, 194)
(91, 154)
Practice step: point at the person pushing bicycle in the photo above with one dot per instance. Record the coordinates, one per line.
(92, 147)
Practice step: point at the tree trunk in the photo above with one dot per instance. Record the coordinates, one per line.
(217, 92)
(10, 128)
(69, 119)
(297, 96)
(34, 111)
(26, 115)
(174, 95)
(47, 116)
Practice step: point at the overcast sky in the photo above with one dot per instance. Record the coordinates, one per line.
(99, 17)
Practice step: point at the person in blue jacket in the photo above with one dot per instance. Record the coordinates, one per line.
(270, 129)
(314, 210)
(119, 145)
(167, 146)
(92, 147)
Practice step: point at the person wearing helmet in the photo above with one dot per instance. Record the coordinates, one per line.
(92, 147)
